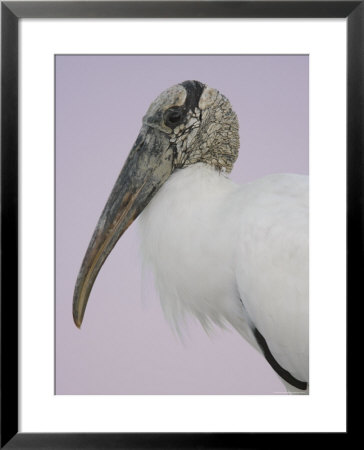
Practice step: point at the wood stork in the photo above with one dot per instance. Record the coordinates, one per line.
(219, 251)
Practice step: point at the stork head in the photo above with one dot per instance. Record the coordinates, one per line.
(188, 123)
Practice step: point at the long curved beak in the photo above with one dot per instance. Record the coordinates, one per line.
(147, 167)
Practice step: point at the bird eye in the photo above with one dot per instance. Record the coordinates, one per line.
(173, 117)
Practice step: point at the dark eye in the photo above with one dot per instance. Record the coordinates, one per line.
(173, 117)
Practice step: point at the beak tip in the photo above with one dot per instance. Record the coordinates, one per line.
(78, 323)
(77, 320)
(77, 310)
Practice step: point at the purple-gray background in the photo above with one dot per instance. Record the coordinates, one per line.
(125, 346)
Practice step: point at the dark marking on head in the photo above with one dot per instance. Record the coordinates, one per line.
(176, 115)
(175, 152)
(194, 91)
(283, 373)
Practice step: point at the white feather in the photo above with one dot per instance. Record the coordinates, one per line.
(234, 254)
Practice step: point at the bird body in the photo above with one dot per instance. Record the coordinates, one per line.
(227, 254)
(232, 254)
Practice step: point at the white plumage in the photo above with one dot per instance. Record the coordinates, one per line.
(234, 254)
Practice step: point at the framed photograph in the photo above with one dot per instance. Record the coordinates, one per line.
(84, 84)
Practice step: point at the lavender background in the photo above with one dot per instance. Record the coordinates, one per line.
(125, 346)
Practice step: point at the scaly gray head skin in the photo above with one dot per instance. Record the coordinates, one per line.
(188, 123)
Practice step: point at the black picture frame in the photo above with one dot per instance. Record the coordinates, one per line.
(11, 12)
